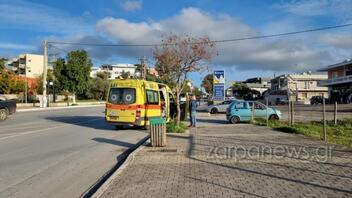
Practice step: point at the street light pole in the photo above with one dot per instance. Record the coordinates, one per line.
(44, 99)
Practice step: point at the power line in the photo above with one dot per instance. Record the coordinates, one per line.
(66, 51)
(214, 41)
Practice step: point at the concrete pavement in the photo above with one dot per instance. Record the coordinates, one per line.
(223, 160)
(59, 153)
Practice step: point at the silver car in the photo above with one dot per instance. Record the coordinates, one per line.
(219, 108)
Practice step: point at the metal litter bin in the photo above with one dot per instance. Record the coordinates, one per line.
(157, 132)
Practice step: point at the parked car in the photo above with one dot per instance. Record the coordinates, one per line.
(241, 111)
(281, 101)
(7, 107)
(317, 100)
(219, 108)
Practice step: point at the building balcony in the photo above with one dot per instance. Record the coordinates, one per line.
(22, 66)
(336, 81)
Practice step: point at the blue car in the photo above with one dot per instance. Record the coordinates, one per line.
(241, 111)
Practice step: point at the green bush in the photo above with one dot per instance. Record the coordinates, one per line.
(172, 127)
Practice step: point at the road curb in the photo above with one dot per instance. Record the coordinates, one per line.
(57, 108)
(104, 183)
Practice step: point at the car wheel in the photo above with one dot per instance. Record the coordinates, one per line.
(214, 111)
(3, 114)
(273, 117)
(234, 119)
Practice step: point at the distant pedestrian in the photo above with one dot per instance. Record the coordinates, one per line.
(192, 111)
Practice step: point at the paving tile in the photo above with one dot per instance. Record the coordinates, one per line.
(237, 161)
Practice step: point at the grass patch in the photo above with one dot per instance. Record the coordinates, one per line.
(337, 134)
(172, 127)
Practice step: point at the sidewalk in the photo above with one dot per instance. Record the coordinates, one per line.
(223, 160)
(80, 105)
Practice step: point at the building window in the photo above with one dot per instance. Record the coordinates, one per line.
(334, 74)
(349, 71)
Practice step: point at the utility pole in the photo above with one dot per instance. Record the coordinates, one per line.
(26, 85)
(45, 68)
(144, 72)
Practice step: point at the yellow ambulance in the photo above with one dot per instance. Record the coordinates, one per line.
(133, 102)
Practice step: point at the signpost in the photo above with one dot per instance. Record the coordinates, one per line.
(219, 85)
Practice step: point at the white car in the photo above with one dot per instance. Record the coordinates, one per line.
(219, 108)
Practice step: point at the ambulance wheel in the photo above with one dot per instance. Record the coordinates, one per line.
(118, 127)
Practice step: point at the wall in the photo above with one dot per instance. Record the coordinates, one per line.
(35, 64)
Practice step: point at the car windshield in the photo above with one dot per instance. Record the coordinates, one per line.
(122, 96)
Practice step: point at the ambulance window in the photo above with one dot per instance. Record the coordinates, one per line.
(122, 96)
(129, 96)
(152, 97)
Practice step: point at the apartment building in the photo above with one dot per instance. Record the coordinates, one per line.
(300, 87)
(27, 65)
(114, 70)
(339, 81)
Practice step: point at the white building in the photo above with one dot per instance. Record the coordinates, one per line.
(300, 87)
(259, 84)
(27, 65)
(115, 70)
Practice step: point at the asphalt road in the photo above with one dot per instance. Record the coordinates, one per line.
(59, 153)
(305, 113)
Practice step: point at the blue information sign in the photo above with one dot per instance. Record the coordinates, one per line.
(219, 92)
(219, 85)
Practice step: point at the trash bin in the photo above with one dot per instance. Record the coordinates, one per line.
(157, 132)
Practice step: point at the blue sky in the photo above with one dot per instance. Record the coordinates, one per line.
(25, 24)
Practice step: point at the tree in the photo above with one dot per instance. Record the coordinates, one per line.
(208, 84)
(5, 80)
(74, 75)
(149, 77)
(2, 64)
(10, 83)
(197, 92)
(243, 91)
(38, 88)
(98, 87)
(177, 57)
(59, 72)
(125, 75)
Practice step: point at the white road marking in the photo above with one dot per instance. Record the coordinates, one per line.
(41, 130)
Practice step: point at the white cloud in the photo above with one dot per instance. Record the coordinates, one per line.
(14, 46)
(19, 14)
(341, 40)
(131, 5)
(274, 54)
(338, 8)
